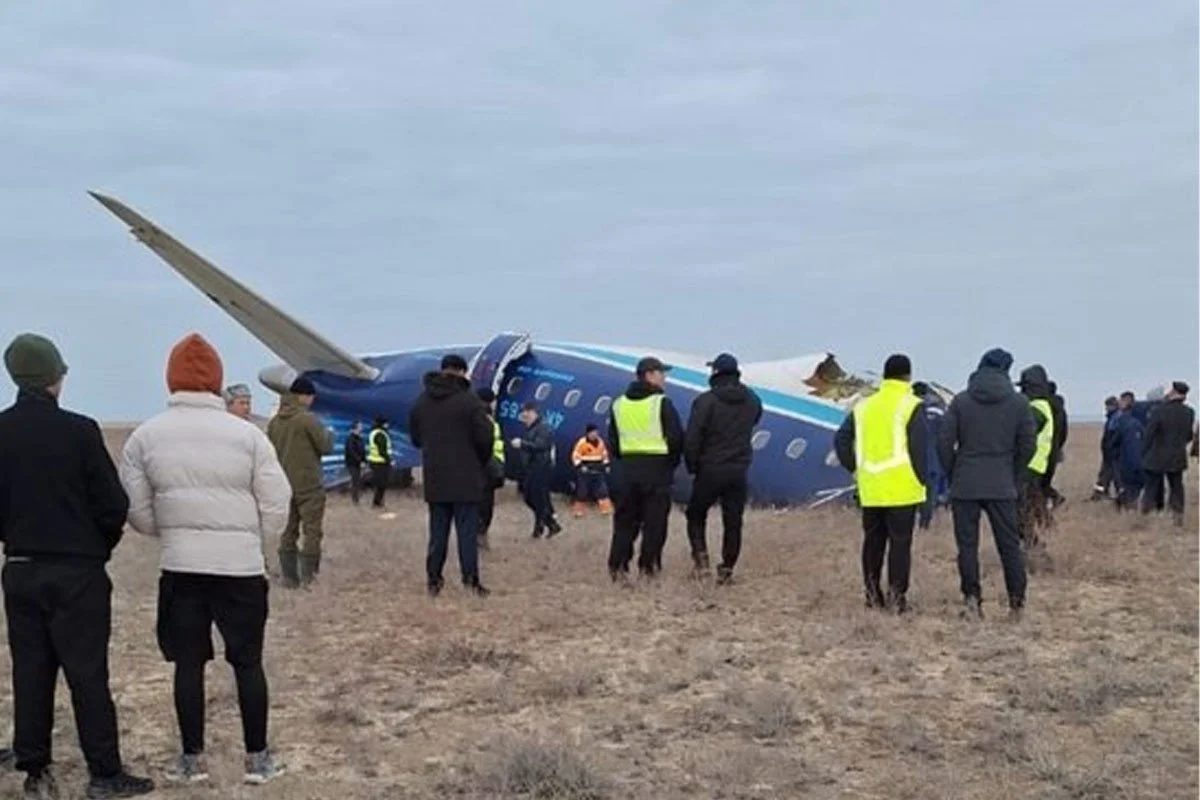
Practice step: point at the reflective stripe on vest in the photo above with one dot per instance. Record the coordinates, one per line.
(1045, 439)
(884, 472)
(639, 426)
(374, 455)
(497, 442)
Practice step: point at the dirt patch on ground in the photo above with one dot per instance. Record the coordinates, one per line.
(781, 686)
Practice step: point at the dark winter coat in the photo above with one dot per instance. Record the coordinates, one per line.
(644, 469)
(355, 450)
(537, 443)
(1165, 444)
(720, 425)
(1127, 449)
(987, 438)
(451, 427)
(1062, 424)
(60, 496)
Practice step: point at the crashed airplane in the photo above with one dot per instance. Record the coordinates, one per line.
(804, 399)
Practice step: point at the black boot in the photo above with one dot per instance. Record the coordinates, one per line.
(475, 587)
(121, 785)
(875, 597)
(289, 568)
(724, 575)
(434, 587)
(972, 609)
(700, 565)
(552, 527)
(309, 567)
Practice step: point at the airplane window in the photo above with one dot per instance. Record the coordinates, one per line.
(514, 385)
(572, 398)
(796, 448)
(602, 405)
(759, 440)
(831, 460)
(542, 392)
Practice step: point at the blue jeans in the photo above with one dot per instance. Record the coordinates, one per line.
(590, 486)
(465, 517)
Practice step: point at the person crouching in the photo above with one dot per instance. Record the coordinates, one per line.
(590, 459)
(210, 487)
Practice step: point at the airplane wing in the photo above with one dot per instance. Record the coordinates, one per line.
(299, 346)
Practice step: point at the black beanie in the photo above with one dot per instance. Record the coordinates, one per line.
(897, 366)
(302, 385)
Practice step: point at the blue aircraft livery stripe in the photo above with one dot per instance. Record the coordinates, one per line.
(814, 411)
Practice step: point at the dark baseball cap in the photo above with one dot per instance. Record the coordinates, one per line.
(455, 362)
(723, 363)
(651, 364)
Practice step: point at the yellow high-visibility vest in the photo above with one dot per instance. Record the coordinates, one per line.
(883, 470)
(1045, 439)
(374, 454)
(639, 426)
(497, 442)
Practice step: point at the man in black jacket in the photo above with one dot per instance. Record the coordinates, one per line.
(1058, 407)
(355, 453)
(646, 437)
(716, 450)
(451, 427)
(985, 445)
(537, 470)
(62, 511)
(1165, 451)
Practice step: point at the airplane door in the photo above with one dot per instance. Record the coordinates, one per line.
(488, 365)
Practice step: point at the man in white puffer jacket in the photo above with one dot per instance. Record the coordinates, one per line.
(210, 486)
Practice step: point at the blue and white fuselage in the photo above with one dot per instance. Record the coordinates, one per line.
(574, 384)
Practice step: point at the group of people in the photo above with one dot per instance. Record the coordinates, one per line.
(211, 486)
(1144, 450)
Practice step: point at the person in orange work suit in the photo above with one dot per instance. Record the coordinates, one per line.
(590, 458)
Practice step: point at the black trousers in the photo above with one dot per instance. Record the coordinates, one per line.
(728, 487)
(487, 510)
(188, 607)
(1106, 477)
(535, 490)
(381, 475)
(1152, 498)
(640, 509)
(356, 476)
(465, 518)
(60, 615)
(1002, 516)
(887, 532)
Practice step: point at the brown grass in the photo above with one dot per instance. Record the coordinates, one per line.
(563, 687)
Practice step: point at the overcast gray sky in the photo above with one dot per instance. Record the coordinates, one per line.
(772, 178)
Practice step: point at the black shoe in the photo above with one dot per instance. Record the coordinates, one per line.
(537, 531)
(434, 588)
(875, 598)
(553, 528)
(700, 565)
(724, 575)
(898, 603)
(41, 786)
(122, 785)
(476, 588)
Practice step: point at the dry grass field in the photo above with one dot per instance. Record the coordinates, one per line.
(561, 686)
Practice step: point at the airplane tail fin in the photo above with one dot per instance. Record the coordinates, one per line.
(296, 344)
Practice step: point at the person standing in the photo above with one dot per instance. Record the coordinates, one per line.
(62, 513)
(237, 400)
(934, 411)
(1058, 412)
(536, 449)
(717, 452)
(1127, 436)
(451, 427)
(211, 506)
(494, 473)
(589, 457)
(1035, 506)
(986, 441)
(1165, 451)
(646, 438)
(354, 453)
(883, 442)
(300, 440)
(1106, 477)
(379, 458)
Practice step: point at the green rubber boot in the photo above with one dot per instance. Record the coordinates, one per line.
(289, 568)
(309, 567)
